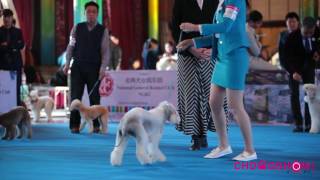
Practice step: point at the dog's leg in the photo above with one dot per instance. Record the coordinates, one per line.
(104, 123)
(6, 133)
(37, 115)
(142, 146)
(117, 153)
(91, 129)
(21, 130)
(29, 128)
(48, 109)
(82, 124)
(12, 130)
(156, 153)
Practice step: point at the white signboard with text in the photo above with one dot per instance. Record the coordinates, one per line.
(8, 95)
(122, 90)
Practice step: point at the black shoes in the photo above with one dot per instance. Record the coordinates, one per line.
(299, 129)
(204, 142)
(198, 142)
(75, 130)
(96, 130)
(307, 129)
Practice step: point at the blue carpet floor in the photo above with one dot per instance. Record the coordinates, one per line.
(54, 153)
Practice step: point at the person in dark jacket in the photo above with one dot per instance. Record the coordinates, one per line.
(300, 56)
(292, 23)
(11, 43)
(194, 72)
(89, 47)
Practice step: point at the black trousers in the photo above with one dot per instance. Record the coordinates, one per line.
(308, 77)
(84, 74)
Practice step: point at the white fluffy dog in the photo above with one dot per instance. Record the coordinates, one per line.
(146, 127)
(39, 103)
(313, 100)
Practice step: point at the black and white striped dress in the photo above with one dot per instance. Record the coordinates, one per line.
(194, 78)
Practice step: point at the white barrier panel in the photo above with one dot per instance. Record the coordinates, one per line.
(122, 90)
(8, 95)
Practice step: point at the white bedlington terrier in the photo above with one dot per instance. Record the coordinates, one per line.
(146, 127)
(313, 100)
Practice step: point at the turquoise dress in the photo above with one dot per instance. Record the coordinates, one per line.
(231, 42)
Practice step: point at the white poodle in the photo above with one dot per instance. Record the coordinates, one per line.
(313, 100)
(39, 103)
(146, 127)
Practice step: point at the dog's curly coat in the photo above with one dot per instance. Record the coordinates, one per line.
(146, 127)
(313, 100)
(17, 116)
(88, 114)
(39, 103)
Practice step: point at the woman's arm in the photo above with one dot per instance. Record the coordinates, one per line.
(230, 15)
(255, 45)
(204, 41)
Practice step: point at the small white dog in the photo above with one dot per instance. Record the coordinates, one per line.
(39, 103)
(146, 127)
(313, 100)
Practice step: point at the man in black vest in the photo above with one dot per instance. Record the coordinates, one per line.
(89, 48)
(299, 60)
(11, 42)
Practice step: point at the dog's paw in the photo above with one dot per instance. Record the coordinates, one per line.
(313, 132)
(146, 161)
(162, 158)
(115, 163)
(115, 160)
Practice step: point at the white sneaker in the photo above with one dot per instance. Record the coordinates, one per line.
(217, 153)
(245, 156)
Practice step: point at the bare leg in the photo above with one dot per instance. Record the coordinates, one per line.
(216, 101)
(235, 102)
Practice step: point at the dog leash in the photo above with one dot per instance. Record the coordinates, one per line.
(94, 86)
(180, 38)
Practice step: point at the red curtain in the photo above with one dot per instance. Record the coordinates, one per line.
(128, 22)
(24, 13)
(64, 23)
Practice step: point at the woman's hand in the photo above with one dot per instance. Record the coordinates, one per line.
(206, 54)
(297, 77)
(189, 27)
(201, 53)
(185, 44)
